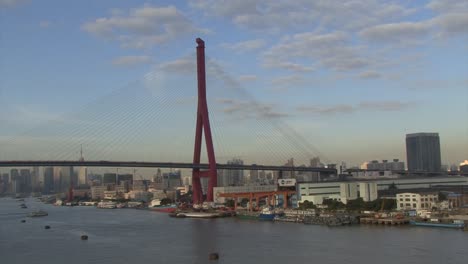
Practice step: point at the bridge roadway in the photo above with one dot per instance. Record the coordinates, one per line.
(173, 165)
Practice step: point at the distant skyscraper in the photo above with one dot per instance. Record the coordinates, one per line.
(385, 165)
(110, 178)
(48, 180)
(83, 176)
(26, 176)
(233, 177)
(289, 174)
(423, 152)
(35, 180)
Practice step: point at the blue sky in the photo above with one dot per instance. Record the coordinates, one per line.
(350, 77)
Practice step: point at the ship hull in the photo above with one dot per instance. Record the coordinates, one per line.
(428, 224)
(164, 209)
(266, 217)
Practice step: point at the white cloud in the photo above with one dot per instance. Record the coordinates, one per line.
(448, 5)
(274, 16)
(250, 109)
(333, 51)
(399, 32)
(363, 106)
(369, 75)
(245, 46)
(285, 82)
(143, 27)
(131, 60)
(11, 3)
(291, 66)
(452, 24)
(247, 78)
(44, 24)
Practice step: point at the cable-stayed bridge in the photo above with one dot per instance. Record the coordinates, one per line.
(120, 118)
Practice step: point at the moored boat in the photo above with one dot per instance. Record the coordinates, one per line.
(267, 214)
(38, 213)
(247, 215)
(169, 208)
(458, 224)
(107, 205)
(195, 215)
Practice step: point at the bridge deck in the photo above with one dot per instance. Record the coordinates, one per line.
(175, 165)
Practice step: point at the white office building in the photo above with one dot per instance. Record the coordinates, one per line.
(339, 191)
(345, 191)
(416, 201)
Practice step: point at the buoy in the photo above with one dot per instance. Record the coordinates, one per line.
(46, 227)
(84, 237)
(214, 256)
(23, 221)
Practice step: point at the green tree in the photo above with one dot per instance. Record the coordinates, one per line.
(442, 196)
(229, 203)
(307, 205)
(333, 204)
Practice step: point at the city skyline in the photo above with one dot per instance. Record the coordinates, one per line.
(351, 87)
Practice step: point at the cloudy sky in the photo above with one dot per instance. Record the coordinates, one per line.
(345, 80)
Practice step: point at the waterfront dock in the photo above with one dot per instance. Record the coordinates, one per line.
(384, 221)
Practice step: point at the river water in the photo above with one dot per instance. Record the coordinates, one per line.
(141, 236)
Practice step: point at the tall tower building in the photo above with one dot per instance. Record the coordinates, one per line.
(233, 177)
(82, 171)
(48, 180)
(423, 152)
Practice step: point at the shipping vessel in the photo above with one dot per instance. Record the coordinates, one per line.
(267, 214)
(107, 205)
(458, 224)
(38, 213)
(169, 208)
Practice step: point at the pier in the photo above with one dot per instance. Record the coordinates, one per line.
(384, 221)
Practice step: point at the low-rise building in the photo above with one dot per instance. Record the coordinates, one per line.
(339, 191)
(416, 201)
(97, 192)
(240, 189)
(139, 196)
(457, 200)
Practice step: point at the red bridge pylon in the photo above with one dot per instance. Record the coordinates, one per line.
(203, 124)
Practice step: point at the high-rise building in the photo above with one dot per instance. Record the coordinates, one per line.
(423, 152)
(464, 167)
(385, 165)
(67, 177)
(82, 176)
(35, 179)
(26, 176)
(172, 180)
(5, 182)
(48, 180)
(289, 174)
(110, 178)
(57, 179)
(233, 177)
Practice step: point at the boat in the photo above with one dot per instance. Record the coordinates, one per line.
(107, 205)
(194, 215)
(267, 214)
(458, 224)
(247, 215)
(23, 206)
(38, 213)
(169, 208)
